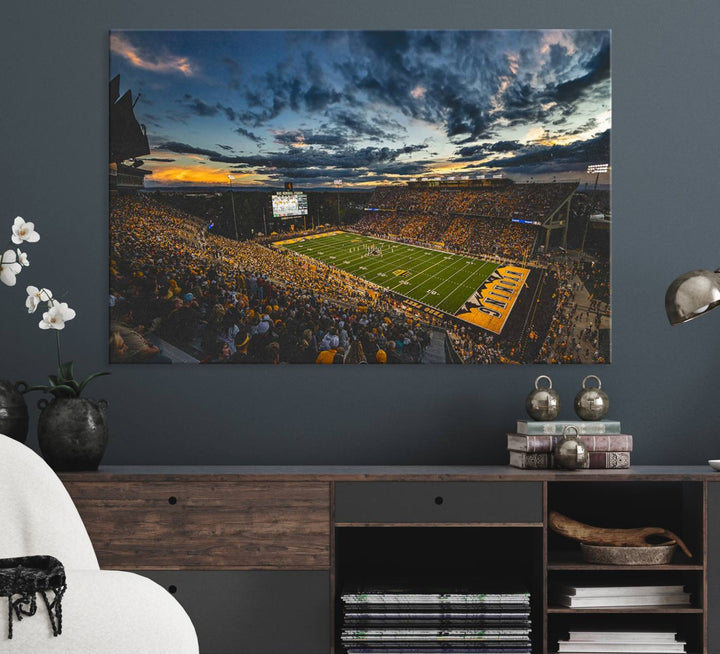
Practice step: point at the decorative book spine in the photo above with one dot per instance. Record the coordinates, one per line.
(555, 427)
(593, 442)
(596, 460)
(608, 460)
(529, 460)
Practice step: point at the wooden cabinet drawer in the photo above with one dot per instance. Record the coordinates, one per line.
(443, 502)
(220, 525)
(254, 611)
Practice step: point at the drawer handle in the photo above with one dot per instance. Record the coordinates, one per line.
(172, 589)
(172, 500)
(439, 500)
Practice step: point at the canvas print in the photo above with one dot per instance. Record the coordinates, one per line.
(360, 197)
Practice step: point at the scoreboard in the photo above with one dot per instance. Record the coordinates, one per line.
(288, 204)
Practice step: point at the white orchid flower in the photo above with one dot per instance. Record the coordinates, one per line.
(36, 296)
(22, 231)
(22, 258)
(9, 267)
(56, 316)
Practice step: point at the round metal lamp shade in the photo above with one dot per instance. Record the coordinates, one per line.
(691, 295)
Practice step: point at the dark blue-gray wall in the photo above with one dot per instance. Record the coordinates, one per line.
(664, 383)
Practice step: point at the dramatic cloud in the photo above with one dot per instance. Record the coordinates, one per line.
(485, 149)
(198, 107)
(358, 125)
(370, 106)
(297, 158)
(598, 70)
(248, 134)
(162, 62)
(302, 138)
(557, 158)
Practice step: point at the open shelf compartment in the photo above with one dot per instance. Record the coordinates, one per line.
(492, 559)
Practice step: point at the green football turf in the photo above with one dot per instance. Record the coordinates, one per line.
(437, 279)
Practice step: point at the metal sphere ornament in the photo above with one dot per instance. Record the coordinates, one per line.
(591, 403)
(543, 403)
(570, 452)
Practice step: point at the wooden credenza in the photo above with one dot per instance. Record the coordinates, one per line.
(258, 556)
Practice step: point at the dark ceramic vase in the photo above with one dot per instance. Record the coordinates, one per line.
(13, 410)
(72, 433)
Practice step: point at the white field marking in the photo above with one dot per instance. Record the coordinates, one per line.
(435, 275)
(465, 281)
(407, 254)
(395, 261)
(410, 253)
(445, 281)
(341, 245)
(424, 270)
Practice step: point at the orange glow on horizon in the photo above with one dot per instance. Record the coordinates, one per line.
(195, 175)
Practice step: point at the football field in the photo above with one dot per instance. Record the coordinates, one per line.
(435, 278)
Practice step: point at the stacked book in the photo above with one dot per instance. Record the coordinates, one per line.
(645, 642)
(392, 621)
(585, 597)
(531, 446)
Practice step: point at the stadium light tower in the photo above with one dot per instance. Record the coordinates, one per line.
(597, 169)
(232, 198)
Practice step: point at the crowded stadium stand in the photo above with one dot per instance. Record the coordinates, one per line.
(182, 293)
(504, 219)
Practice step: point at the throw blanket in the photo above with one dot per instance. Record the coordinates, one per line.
(25, 577)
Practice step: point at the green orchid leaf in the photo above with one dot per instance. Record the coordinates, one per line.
(88, 379)
(53, 380)
(44, 389)
(63, 391)
(65, 371)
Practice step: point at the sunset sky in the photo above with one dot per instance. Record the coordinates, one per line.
(367, 108)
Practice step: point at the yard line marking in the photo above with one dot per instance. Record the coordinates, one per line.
(432, 276)
(421, 260)
(479, 271)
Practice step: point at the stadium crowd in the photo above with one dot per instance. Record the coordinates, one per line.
(239, 302)
(474, 235)
(564, 344)
(223, 301)
(527, 201)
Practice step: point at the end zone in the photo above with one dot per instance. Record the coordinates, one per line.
(490, 306)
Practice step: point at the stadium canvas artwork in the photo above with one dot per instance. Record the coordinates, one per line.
(360, 197)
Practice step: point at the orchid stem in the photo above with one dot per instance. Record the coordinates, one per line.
(57, 334)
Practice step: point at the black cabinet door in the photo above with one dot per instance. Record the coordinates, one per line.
(254, 612)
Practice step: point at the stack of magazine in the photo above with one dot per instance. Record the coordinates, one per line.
(625, 642)
(411, 621)
(584, 597)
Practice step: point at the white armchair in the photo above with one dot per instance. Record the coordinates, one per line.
(104, 612)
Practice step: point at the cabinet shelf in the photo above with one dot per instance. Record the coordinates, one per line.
(573, 561)
(626, 609)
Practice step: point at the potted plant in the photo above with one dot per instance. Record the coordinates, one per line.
(72, 430)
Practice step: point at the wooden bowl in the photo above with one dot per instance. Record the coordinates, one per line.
(615, 555)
